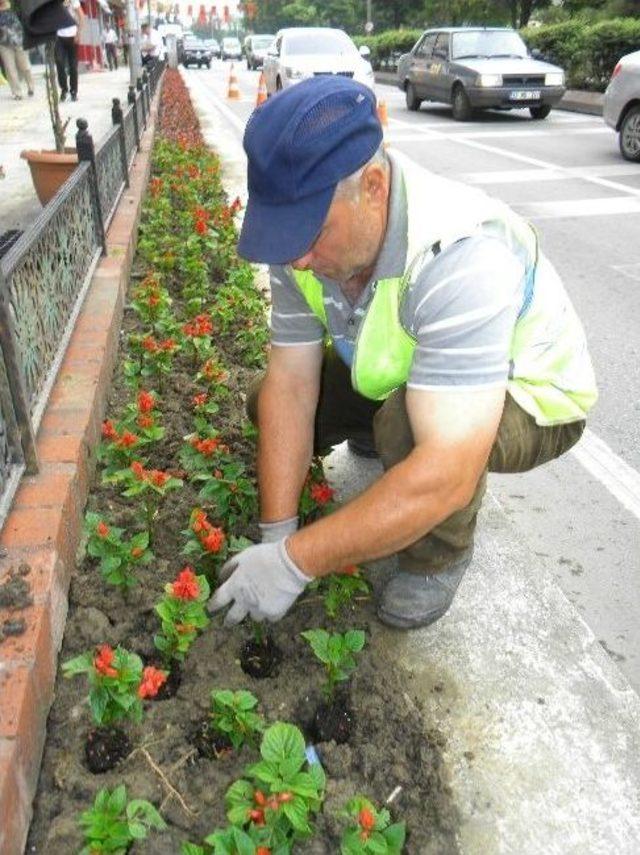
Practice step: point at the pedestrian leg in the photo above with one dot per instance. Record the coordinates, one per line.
(61, 67)
(24, 67)
(72, 54)
(11, 71)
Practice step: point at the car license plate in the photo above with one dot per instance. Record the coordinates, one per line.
(525, 95)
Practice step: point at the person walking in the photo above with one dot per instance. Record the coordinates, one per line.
(111, 47)
(15, 59)
(415, 317)
(67, 52)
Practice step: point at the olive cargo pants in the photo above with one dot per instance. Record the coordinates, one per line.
(342, 413)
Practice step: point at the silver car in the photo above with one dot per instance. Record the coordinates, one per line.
(473, 67)
(621, 106)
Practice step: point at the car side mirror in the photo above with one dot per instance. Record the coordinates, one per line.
(364, 52)
(536, 54)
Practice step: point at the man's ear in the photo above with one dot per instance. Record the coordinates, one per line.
(375, 184)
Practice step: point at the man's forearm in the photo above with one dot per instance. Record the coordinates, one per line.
(285, 447)
(395, 511)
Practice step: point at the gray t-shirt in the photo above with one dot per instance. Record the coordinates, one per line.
(461, 307)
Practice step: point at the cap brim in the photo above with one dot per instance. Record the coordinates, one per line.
(279, 234)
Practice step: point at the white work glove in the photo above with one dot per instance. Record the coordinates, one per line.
(261, 581)
(275, 531)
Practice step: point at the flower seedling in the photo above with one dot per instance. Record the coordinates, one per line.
(283, 791)
(215, 376)
(114, 823)
(339, 590)
(252, 339)
(233, 841)
(119, 447)
(233, 715)
(337, 653)
(143, 416)
(118, 557)
(232, 492)
(154, 357)
(182, 612)
(370, 831)
(204, 406)
(152, 485)
(197, 337)
(151, 301)
(203, 451)
(316, 499)
(114, 678)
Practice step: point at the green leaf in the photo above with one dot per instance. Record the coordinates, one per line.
(78, 665)
(355, 639)
(118, 800)
(319, 641)
(296, 812)
(395, 836)
(280, 741)
(137, 830)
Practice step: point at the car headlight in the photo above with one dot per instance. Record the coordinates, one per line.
(489, 80)
(294, 73)
(554, 78)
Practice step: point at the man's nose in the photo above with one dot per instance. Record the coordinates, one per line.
(302, 263)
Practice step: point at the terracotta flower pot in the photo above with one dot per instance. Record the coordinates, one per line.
(49, 170)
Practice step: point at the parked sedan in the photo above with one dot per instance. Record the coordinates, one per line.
(231, 48)
(472, 68)
(196, 51)
(621, 106)
(255, 49)
(300, 52)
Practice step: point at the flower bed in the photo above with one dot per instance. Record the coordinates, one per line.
(169, 733)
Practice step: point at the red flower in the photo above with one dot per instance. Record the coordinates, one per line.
(184, 628)
(145, 421)
(102, 530)
(108, 430)
(186, 586)
(138, 470)
(137, 551)
(152, 682)
(199, 326)
(201, 227)
(366, 819)
(201, 213)
(206, 446)
(199, 522)
(149, 344)
(128, 439)
(350, 570)
(263, 850)
(153, 301)
(167, 344)
(193, 171)
(158, 478)
(214, 541)
(321, 493)
(146, 402)
(199, 400)
(103, 661)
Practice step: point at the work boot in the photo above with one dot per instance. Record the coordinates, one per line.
(410, 600)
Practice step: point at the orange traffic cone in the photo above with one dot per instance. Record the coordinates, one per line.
(383, 114)
(233, 93)
(262, 90)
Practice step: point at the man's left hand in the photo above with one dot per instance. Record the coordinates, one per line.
(261, 581)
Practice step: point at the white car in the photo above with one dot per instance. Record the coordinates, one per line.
(621, 105)
(231, 49)
(300, 52)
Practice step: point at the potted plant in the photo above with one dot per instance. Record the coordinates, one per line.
(50, 169)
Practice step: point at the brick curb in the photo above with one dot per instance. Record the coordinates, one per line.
(43, 528)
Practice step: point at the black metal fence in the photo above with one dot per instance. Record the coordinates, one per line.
(46, 272)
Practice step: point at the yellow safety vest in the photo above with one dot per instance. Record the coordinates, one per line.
(551, 375)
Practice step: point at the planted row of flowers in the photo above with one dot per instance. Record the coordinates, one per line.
(177, 490)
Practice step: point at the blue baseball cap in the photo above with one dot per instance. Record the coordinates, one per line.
(300, 144)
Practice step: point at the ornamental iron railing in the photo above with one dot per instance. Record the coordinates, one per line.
(46, 272)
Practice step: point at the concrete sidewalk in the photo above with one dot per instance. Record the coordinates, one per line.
(25, 124)
(541, 731)
(573, 100)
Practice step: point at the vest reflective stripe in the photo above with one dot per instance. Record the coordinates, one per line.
(551, 375)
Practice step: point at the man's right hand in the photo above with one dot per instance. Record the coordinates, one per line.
(274, 531)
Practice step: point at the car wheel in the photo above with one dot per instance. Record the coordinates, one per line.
(540, 112)
(208, 65)
(413, 102)
(460, 104)
(629, 138)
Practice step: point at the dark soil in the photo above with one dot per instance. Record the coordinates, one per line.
(260, 659)
(207, 742)
(170, 688)
(15, 590)
(105, 748)
(333, 721)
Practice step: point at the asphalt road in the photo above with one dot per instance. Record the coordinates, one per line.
(580, 514)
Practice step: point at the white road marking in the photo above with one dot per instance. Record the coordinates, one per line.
(521, 176)
(578, 207)
(464, 139)
(620, 479)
